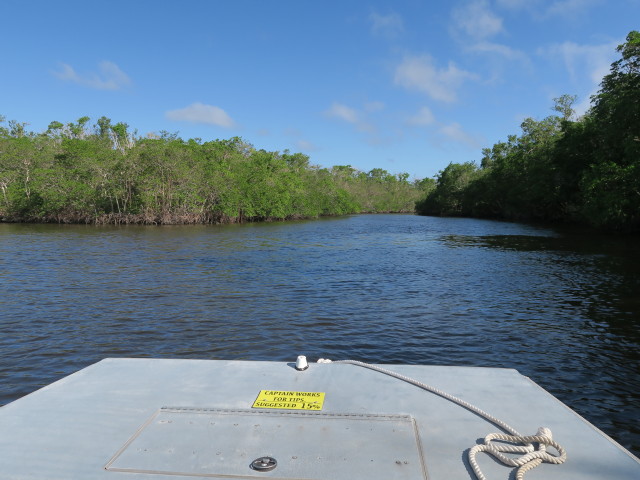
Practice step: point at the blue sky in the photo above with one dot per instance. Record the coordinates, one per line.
(407, 86)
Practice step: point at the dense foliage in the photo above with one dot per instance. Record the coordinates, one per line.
(560, 169)
(105, 174)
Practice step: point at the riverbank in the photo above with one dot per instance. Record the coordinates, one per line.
(105, 175)
(168, 219)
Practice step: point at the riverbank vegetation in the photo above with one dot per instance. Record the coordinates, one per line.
(584, 170)
(106, 174)
(580, 170)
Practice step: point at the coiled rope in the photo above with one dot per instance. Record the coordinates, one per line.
(533, 447)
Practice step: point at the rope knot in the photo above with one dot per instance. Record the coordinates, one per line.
(544, 432)
(533, 449)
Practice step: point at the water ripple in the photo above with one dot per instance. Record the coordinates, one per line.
(559, 306)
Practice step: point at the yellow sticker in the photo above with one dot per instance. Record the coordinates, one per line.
(289, 400)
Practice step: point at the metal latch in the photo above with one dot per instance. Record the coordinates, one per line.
(264, 464)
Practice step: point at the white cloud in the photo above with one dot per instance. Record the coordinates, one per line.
(338, 110)
(67, 73)
(306, 146)
(108, 77)
(476, 20)
(514, 4)
(201, 113)
(543, 9)
(590, 62)
(455, 133)
(502, 50)
(419, 73)
(375, 106)
(570, 8)
(357, 118)
(386, 25)
(474, 24)
(584, 61)
(423, 118)
(299, 142)
(594, 60)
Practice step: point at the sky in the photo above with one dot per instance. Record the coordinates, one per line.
(407, 86)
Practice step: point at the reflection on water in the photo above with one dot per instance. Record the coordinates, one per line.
(612, 292)
(560, 306)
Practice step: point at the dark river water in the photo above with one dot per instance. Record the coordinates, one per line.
(562, 307)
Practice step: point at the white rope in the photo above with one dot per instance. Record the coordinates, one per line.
(533, 447)
(532, 455)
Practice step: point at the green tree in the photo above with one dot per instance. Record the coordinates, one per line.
(610, 185)
(448, 197)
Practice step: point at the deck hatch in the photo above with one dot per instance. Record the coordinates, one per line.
(202, 442)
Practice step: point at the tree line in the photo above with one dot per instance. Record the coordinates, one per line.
(107, 174)
(584, 170)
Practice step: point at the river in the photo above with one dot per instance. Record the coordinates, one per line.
(561, 306)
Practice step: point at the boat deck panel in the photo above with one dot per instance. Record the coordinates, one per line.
(95, 423)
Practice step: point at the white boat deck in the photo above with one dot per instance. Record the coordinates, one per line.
(143, 419)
